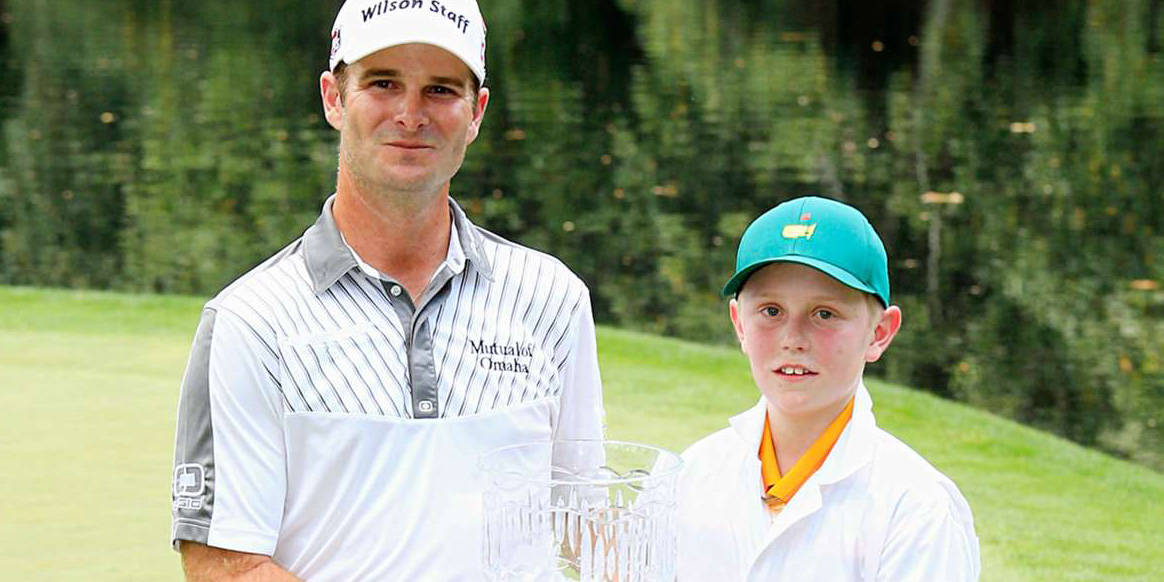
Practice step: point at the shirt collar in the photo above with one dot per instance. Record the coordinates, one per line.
(782, 485)
(853, 449)
(454, 259)
(471, 239)
(328, 257)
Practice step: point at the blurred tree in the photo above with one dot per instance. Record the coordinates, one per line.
(1008, 153)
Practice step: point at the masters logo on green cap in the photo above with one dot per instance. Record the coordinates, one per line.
(827, 235)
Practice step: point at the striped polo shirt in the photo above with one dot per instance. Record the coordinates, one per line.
(330, 422)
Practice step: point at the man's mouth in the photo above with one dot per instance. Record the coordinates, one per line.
(409, 145)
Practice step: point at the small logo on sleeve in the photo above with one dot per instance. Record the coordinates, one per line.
(189, 485)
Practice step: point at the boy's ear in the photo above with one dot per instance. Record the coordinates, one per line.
(734, 309)
(883, 333)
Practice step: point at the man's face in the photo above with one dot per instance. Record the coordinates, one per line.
(808, 337)
(405, 116)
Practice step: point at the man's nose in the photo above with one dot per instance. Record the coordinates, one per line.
(410, 112)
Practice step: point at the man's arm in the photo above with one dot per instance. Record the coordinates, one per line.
(582, 415)
(229, 462)
(203, 563)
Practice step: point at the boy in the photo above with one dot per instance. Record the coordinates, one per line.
(805, 486)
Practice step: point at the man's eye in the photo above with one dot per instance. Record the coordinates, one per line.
(825, 314)
(439, 90)
(382, 84)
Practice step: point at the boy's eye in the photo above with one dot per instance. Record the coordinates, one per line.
(771, 311)
(825, 314)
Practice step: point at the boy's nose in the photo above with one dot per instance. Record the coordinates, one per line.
(794, 338)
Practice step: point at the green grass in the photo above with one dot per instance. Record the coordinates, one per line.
(89, 386)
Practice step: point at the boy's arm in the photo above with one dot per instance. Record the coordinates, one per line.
(931, 541)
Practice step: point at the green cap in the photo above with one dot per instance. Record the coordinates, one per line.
(827, 235)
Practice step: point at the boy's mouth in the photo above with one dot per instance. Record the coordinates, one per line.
(795, 371)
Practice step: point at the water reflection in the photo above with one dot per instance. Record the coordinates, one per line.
(1009, 154)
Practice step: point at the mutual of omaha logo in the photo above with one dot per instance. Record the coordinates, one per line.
(503, 357)
(189, 485)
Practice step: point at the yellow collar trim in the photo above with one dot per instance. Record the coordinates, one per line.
(780, 487)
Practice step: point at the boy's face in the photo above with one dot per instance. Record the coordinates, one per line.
(808, 337)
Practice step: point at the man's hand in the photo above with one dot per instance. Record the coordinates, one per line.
(203, 563)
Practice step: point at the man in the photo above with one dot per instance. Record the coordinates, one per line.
(338, 396)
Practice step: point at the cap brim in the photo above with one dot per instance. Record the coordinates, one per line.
(737, 281)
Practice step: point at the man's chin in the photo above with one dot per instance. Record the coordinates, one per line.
(419, 184)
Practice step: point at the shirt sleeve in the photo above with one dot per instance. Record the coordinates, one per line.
(582, 415)
(229, 465)
(933, 540)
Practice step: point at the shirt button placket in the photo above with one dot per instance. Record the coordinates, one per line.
(422, 370)
(418, 348)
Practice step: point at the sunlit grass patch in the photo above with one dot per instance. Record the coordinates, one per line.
(89, 385)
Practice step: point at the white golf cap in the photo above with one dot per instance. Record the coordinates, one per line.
(366, 26)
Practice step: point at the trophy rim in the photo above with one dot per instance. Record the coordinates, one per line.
(672, 466)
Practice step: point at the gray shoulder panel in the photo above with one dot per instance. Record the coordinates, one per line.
(192, 490)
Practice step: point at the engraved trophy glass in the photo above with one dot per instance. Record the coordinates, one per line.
(580, 510)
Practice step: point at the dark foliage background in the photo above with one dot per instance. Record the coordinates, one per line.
(1009, 154)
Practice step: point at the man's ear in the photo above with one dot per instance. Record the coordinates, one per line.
(883, 333)
(734, 310)
(332, 97)
(478, 113)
